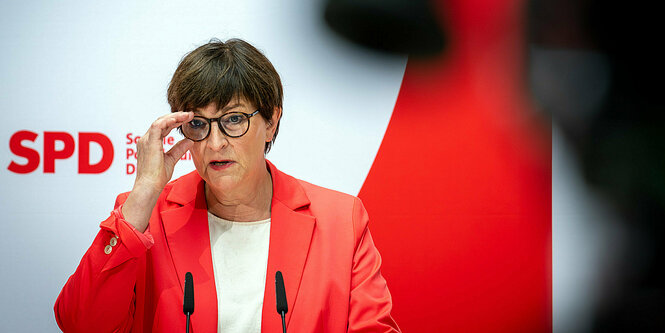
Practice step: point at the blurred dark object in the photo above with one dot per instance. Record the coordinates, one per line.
(395, 26)
(595, 68)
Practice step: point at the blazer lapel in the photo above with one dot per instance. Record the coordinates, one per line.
(290, 236)
(188, 239)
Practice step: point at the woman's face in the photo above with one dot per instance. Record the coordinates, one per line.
(233, 165)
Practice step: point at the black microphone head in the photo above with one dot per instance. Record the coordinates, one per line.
(280, 292)
(188, 302)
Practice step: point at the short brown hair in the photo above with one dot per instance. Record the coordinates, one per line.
(217, 72)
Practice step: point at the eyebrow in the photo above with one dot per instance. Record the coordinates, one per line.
(232, 106)
(226, 108)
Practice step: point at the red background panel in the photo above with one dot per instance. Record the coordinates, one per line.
(460, 191)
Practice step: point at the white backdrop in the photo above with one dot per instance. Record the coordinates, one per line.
(104, 66)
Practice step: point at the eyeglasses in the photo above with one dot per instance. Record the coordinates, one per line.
(232, 124)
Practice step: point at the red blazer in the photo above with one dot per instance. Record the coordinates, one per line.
(318, 238)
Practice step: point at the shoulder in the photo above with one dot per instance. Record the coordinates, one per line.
(322, 202)
(318, 194)
(336, 209)
(181, 190)
(188, 180)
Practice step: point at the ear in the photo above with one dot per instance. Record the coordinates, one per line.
(272, 124)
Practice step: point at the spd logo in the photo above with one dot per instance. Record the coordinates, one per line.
(51, 154)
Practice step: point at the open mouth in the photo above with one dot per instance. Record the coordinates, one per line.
(221, 163)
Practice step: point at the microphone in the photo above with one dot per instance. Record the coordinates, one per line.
(188, 302)
(280, 293)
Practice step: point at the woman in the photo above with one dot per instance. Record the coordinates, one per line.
(233, 223)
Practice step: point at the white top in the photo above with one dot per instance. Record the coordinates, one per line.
(239, 260)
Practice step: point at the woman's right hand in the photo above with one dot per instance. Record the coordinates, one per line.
(154, 167)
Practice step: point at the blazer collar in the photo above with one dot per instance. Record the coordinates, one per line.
(186, 230)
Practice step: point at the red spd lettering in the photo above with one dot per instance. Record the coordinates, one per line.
(85, 139)
(66, 150)
(50, 154)
(17, 147)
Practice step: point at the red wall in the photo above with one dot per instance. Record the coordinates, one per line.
(460, 191)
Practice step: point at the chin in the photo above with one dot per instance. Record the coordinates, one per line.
(224, 182)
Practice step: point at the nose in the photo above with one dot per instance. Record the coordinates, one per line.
(216, 141)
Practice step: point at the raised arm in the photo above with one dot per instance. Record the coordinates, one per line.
(100, 295)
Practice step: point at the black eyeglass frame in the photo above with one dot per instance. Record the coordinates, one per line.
(219, 124)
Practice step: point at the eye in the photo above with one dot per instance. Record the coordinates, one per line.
(197, 123)
(233, 119)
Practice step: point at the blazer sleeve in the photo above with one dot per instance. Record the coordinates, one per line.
(370, 304)
(100, 295)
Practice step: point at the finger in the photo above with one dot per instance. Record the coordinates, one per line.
(177, 115)
(172, 123)
(161, 127)
(178, 150)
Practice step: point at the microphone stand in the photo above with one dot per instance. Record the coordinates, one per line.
(283, 322)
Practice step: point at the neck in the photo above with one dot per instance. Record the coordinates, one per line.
(246, 204)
